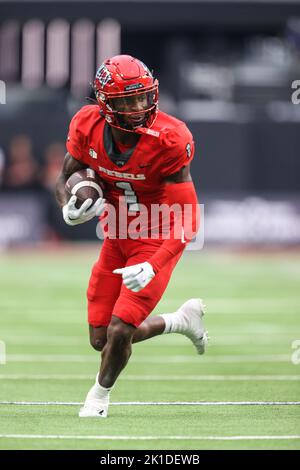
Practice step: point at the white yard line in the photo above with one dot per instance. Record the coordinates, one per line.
(148, 438)
(159, 403)
(221, 378)
(232, 359)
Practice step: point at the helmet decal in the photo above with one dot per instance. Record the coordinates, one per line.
(103, 75)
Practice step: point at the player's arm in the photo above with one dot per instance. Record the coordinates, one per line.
(180, 190)
(70, 166)
(71, 214)
(182, 176)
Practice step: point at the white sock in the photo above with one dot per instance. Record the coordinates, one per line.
(170, 322)
(98, 392)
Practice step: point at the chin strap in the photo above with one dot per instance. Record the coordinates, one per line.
(146, 130)
(139, 130)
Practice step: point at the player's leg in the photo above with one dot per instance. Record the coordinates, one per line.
(115, 355)
(152, 326)
(187, 320)
(103, 290)
(115, 338)
(98, 337)
(127, 325)
(116, 351)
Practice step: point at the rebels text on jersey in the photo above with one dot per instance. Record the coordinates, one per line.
(137, 175)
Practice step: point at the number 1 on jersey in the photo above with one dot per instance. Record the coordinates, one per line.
(130, 196)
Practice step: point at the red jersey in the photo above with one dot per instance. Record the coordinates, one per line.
(137, 175)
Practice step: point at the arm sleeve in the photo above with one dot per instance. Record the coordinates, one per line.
(188, 221)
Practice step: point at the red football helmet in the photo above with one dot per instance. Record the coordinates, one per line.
(127, 93)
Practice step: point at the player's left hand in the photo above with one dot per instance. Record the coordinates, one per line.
(136, 277)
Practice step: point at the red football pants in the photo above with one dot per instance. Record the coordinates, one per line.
(106, 293)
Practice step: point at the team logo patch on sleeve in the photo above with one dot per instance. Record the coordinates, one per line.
(92, 153)
(188, 149)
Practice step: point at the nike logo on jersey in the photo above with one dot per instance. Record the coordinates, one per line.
(144, 165)
(118, 174)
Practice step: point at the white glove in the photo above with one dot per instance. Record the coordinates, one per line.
(136, 277)
(88, 210)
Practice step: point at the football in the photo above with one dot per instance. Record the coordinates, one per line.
(85, 184)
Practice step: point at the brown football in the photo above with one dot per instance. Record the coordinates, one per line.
(85, 184)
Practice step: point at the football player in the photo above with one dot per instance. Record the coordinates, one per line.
(143, 156)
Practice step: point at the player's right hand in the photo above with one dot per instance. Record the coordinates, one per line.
(88, 210)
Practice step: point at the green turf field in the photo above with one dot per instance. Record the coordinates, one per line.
(252, 316)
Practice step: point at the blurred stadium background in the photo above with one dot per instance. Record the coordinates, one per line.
(224, 67)
(227, 68)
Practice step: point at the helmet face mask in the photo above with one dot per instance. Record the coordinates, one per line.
(134, 110)
(127, 93)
